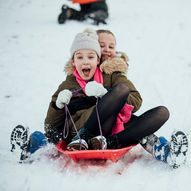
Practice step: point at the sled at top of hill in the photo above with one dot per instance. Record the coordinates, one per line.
(110, 154)
(84, 1)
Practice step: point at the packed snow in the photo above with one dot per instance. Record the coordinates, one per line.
(33, 51)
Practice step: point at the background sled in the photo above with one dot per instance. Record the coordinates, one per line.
(84, 1)
(111, 154)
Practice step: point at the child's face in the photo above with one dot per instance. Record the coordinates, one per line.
(86, 62)
(108, 46)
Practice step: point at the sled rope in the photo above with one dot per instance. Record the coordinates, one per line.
(66, 126)
(99, 123)
(66, 121)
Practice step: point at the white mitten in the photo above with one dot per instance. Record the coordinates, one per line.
(63, 97)
(95, 89)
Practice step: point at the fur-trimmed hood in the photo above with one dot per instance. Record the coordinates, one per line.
(118, 63)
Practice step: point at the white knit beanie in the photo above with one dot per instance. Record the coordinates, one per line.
(86, 40)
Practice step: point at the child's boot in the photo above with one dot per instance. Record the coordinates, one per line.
(98, 17)
(79, 142)
(98, 142)
(35, 142)
(148, 142)
(178, 149)
(65, 14)
(19, 137)
(28, 145)
(173, 152)
(161, 149)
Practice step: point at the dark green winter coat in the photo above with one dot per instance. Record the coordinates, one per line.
(81, 106)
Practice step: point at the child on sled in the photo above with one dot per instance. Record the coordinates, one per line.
(117, 98)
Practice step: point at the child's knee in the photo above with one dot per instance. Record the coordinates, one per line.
(163, 112)
(122, 88)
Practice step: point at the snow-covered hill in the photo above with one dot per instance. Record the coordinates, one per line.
(33, 51)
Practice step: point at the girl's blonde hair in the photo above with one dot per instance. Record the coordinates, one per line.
(105, 31)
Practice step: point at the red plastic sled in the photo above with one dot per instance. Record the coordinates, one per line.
(111, 154)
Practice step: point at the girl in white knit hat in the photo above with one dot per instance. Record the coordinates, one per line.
(86, 85)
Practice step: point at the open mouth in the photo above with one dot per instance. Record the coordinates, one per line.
(86, 71)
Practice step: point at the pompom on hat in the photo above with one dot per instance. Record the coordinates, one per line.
(86, 40)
